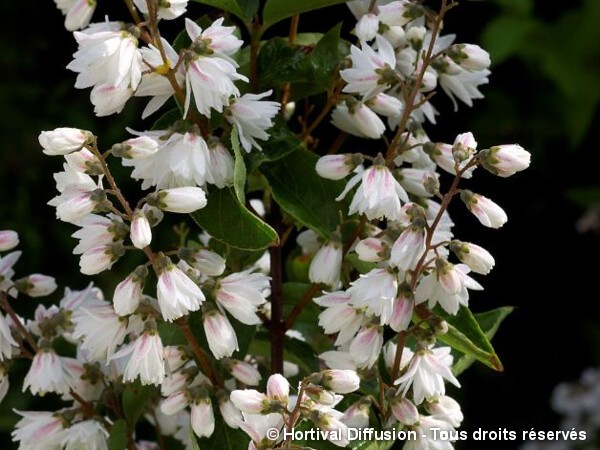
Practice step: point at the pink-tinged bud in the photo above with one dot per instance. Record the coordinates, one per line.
(488, 212)
(62, 141)
(445, 408)
(413, 180)
(220, 335)
(9, 239)
(408, 249)
(415, 37)
(477, 258)
(128, 292)
(202, 417)
(84, 161)
(174, 383)
(359, 120)
(398, 13)
(141, 233)
(341, 381)
(79, 14)
(505, 160)
(336, 167)
(137, 148)
(405, 411)
(367, 27)
(177, 294)
(98, 259)
(278, 388)
(175, 357)
(182, 199)
(36, 285)
(365, 347)
(206, 261)
(77, 201)
(404, 306)
(250, 401)
(448, 276)
(371, 249)
(319, 395)
(469, 56)
(464, 147)
(246, 373)
(175, 403)
(357, 415)
(326, 265)
(386, 105)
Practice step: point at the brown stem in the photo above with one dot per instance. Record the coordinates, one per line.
(17, 322)
(295, 414)
(201, 357)
(409, 99)
(398, 356)
(305, 300)
(285, 95)
(88, 408)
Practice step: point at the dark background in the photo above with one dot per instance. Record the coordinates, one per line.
(543, 94)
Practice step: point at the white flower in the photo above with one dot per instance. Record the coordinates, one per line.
(477, 258)
(62, 141)
(413, 180)
(258, 427)
(175, 402)
(469, 56)
(182, 200)
(358, 120)
(487, 212)
(464, 85)
(341, 381)
(101, 258)
(220, 335)
(88, 435)
(36, 285)
(202, 417)
(98, 231)
(108, 59)
(231, 415)
(217, 38)
(128, 292)
(39, 430)
(141, 233)
(100, 331)
(137, 148)
(46, 374)
(371, 249)
(426, 439)
(250, 401)
(252, 117)
(220, 164)
(505, 160)
(397, 13)
(7, 342)
(9, 239)
(166, 10)
(357, 414)
(241, 294)
(146, 360)
(245, 373)
(442, 155)
(404, 306)
(181, 160)
(404, 410)
(177, 294)
(387, 106)
(6, 271)
(278, 388)
(206, 261)
(72, 300)
(370, 69)
(78, 12)
(445, 408)
(326, 265)
(76, 373)
(426, 374)
(379, 194)
(446, 285)
(366, 346)
(339, 316)
(408, 249)
(367, 27)
(4, 384)
(375, 291)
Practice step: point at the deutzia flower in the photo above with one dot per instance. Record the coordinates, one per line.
(372, 71)
(6, 271)
(88, 434)
(426, 439)
(167, 10)
(7, 342)
(177, 294)
(46, 374)
(220, 335)
(141, 233)
(39, 430)
(9, 239)
(202, 417)
(366, 346)
(62, 141)
(426, 374)
(252, 116)
(108, 59)
(183, 200)
(505, 160)
(379, 194)
(367, 27)
(339, 316)
(210, 73)
(241, 294)
(36, 285)
(258, 427)
(146, 359)
(477, 258)
(408, 248)
(77, 12)
(220, 164)
(463, 85)
(128, 293)
(337, 167)
(357, 119)
(326, 265)
(375, 291)
(487, 212)
(445, 408)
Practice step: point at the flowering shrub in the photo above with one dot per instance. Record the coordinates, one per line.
(229, 335)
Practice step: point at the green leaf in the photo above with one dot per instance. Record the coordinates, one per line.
(239, 169)
(135, 398)
(280, 62)
(244, 9)
(281, 143)
(294, 351)
(489, 322)
(170, 334)
(228, 221)
(118, 436)
(585, 197)
(329, 52)
(358, 264)
(465, 335)
(503, 45)
(303, 194)
(223, 438)
(276, 10)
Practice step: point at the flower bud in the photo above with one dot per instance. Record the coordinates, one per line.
(336, 167)
(62, 141)
(9, 239)
(326, 265)
(98, 259)
(488, 212)
(220, 335)
(341, 381)
(141, 233)
(231, 415)
(367, 27)
(175, 403)
(371, 249)
(250, 401)
(415, 36)
(470, 57)
(399, 13)
(202, 417)
(36, 285)
(405, 411)
(505, 160)
(445, 408)
(136, 148)
(278, 388)
(403, 309)
(206, 261)
(448, 276)
(244, 372)
(464, 147)
(474, 256)
(181, 200)
(128, 292)
(319, 395)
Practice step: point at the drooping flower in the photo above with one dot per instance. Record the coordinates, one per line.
(220, 335)
(366, 346)
(326, 265)
(375, 291)
(77, 12)
(408, 248)
(183, 200)
(7, 341)
(357, 119)
(487, 212)
(339, 316)
(46, 374)
(62, 141)
(169, 10)
(337, 167)
(177, 294)
(146, 359)
(88, 434)
(505, 160)
(241, 294)
(39, 430)
(202, 417)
